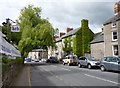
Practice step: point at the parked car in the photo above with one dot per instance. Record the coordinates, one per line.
(52, 60)
(27, 60)
(70, 60)
(110, 63)
(44, 60)
(88, 61)
(36, 60)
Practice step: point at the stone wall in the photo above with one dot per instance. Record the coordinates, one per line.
(97, 50)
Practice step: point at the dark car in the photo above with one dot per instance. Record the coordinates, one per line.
(110, 63)
(27, 60)
(52, 60)
(88, 61)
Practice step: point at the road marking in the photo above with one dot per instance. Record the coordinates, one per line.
(102, 79)
(66, 69)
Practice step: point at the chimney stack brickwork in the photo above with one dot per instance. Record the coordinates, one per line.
(69, 29)
(117, 8)
(62, 33)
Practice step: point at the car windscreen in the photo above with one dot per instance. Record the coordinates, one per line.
(92, 59)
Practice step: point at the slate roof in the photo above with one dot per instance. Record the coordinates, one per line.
(99, 37)
(66, 35)
(58, 39)
(70, 33)
(114, 18)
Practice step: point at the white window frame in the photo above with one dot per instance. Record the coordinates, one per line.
(113, 50)
(113, 36)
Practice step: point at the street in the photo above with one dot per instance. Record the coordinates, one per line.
(60, 75)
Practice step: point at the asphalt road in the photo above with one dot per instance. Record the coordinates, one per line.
(72, 76)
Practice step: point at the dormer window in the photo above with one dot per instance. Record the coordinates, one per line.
(114, 24)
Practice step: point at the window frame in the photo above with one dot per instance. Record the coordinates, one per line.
(114, 35)
(113, 51)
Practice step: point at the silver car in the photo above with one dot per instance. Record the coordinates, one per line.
(110, 63)
(88, 61)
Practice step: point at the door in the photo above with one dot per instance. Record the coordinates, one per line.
(106, 62)
(114, 64)
(82, 60)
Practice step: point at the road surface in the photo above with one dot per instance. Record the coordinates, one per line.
(72, 76)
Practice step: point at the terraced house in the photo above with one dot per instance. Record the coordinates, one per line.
(107, 42)
(110, 29)
(68, 42)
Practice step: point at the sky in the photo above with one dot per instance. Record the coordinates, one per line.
(63, 13)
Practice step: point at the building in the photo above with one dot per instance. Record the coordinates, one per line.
(70, 34)
(97, 46)
(110, 29)
(38, 54)
(107, 42)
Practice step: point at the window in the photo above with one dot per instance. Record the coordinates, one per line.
(114, 59)
(82, 58)
(114, 24)
(114, 36)
(108, 59)
(115, 50)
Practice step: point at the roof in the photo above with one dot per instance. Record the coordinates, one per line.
(114, 18)
(58, 39)
(70, 33)
(99, 37)
(66, 35)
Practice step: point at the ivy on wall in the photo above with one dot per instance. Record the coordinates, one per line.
(82, 40)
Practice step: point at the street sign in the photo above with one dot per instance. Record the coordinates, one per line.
(15, 28)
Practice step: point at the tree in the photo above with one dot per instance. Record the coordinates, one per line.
(12, 36)
(83, 37)
(36, 31)
(67, 45)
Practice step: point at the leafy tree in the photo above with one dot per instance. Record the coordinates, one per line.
(67, 45)
(36, 31)
(12, 36)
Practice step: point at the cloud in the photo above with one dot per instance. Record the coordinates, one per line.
(64, 13)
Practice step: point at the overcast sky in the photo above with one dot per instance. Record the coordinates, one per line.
(63, 13)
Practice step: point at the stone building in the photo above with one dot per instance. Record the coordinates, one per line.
(110, 30)
(107, 43)
(97, 46)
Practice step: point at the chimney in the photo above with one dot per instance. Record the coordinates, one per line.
(69, 29)
(117, 8)
(84, 23)
(62, 33)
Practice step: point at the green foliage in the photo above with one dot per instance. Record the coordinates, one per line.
(6, 60)
(67, 45)
(74, 45)
(36, 32)
(83, 37)
(12, 36)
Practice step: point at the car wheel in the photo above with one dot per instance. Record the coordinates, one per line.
(68, 64)
(79, 65)
(89, 66)
(102, 68)
(63, 63)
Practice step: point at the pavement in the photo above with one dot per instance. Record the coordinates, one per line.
(23, 79)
